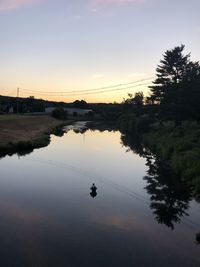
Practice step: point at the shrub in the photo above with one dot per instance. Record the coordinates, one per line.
(59, 113)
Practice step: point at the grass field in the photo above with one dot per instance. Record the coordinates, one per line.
(15, 128)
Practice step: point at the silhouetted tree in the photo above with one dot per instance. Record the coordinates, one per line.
(134, 103)
(136, 100)
(80, 104)
(177, 86)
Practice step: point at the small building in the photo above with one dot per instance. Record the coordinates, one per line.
(71, 111)
(11, 110)
(49, 110)
(78, 111)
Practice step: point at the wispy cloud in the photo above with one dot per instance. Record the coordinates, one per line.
(114, 2)
(97, 6)
(6, 5)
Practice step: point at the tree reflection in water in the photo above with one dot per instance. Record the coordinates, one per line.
(168, 195)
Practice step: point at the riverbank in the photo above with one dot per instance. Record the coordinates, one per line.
(180, 147)
(177, 145)
(24, 133)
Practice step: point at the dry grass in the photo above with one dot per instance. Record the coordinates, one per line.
(15, 128)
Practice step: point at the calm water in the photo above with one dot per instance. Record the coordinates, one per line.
(48, 217)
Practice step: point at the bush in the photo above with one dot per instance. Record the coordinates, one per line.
(59, 113)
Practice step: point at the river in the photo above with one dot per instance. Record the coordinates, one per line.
(48, 216)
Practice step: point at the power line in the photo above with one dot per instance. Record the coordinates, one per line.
(91, 93)
(86, 90)
(117, 89)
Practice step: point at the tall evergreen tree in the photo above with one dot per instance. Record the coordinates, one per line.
(171, 71)
(176, 88)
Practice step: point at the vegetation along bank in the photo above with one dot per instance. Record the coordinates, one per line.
(24, 133)
(168, 121)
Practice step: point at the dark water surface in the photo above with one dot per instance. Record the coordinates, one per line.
(48, 217)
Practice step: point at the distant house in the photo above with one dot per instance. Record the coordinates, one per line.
(49, 110)
(11, 110)
(78, 111)
(71, 111)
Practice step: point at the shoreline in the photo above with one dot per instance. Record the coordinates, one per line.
(22, 134)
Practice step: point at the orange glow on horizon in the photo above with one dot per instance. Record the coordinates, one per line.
(107, 97)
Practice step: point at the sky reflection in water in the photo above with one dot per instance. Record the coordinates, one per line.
(48, 218)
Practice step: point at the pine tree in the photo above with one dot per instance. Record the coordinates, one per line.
(177, 84)
(170, 72)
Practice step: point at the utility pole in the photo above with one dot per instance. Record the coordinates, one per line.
(17, 100)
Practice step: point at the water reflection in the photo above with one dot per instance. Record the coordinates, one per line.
(93, 192)
(77, 127)
(24, 148)
(101, 127)
(168, 195)
(198, 238)
(59, 132)
(49, 219)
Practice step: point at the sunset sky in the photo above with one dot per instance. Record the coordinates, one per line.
(60, 45)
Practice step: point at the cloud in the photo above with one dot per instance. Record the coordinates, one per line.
(114, 2)
(6, 5)
(97, 6)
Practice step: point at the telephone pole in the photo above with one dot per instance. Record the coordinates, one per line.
(17, 100)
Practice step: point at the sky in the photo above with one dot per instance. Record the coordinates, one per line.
(62, 46)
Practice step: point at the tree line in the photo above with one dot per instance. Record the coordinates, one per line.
(167, 121)
(175, 92)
